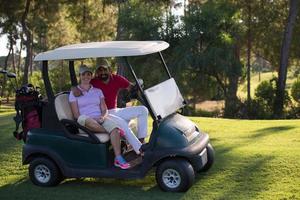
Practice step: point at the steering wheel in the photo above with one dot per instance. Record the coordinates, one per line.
(134, 92)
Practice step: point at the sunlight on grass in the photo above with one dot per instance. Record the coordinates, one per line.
(5, 110)
(255, 159)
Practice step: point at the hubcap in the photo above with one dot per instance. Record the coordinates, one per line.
(171, 178)
(42, 173)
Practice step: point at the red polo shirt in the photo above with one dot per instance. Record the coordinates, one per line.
(111, 89)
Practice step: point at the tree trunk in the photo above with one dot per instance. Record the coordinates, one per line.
(27, 41)
(13, 60)
(20, 56)
(231, 100)
(249, 46)
(284, 58)
(31, 54)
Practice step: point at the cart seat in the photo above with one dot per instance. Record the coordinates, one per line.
(63, 111)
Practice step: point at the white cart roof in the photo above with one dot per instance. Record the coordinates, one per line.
(103, 49)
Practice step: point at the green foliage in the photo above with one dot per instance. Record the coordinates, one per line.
(207, 44)
(261, 107)
(258, 109)
(60, 78)
(37, 81)
(210, 49)
(295, 91)
(265, 91)
(142, 20)
(92, 21)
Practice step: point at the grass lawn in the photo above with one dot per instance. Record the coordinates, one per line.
(4, 110)
(254, 160)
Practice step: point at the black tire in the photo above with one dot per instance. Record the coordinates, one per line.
(210, 158)
(44, 172)
(176, 175)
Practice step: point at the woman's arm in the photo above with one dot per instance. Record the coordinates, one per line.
(103, 109)
(75, 110)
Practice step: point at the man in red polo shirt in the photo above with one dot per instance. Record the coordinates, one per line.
(111, 84)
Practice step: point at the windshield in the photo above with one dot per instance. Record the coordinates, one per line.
(164, 98)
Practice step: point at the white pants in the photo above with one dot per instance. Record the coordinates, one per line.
(122, 116)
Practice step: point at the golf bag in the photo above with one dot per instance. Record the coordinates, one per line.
(28, 110)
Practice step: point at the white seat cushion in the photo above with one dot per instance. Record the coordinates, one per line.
(103, 137)
(63, 111)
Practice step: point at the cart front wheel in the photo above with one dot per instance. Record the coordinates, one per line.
(44, 172)
(175, 175)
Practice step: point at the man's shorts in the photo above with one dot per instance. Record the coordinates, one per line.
(109, 125)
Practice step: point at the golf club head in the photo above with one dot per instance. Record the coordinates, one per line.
(11, 75)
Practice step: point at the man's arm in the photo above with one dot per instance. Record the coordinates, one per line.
(130, 86)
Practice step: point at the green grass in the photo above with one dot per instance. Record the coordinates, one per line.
(4, 110)
(254, 160)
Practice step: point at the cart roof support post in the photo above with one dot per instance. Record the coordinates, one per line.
(47, 82)
(72, 73)
(165, 65)
(141, 89)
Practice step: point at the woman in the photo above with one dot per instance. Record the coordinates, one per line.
(90, 111)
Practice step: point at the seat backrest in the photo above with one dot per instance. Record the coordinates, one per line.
(63, 111)
(62, 107)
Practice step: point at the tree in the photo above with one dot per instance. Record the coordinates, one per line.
(9, 26)
(210, 47)
(284, 58)
(27, 40)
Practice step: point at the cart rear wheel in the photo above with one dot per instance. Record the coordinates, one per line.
(175, 175)
(44, 172)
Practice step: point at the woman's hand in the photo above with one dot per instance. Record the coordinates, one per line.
(101, 119)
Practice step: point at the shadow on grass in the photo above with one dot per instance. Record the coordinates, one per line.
(88, 189)
(271, 130)
(233, 176)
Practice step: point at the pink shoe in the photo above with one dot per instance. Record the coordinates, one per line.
(121, 162)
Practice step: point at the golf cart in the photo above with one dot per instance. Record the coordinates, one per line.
(61, 148)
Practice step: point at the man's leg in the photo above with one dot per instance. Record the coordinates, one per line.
(129, 135)
(139, 112)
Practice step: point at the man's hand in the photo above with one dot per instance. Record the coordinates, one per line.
(76, 92)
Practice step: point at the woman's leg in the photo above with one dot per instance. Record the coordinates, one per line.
(94, 126)
(115, 141)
